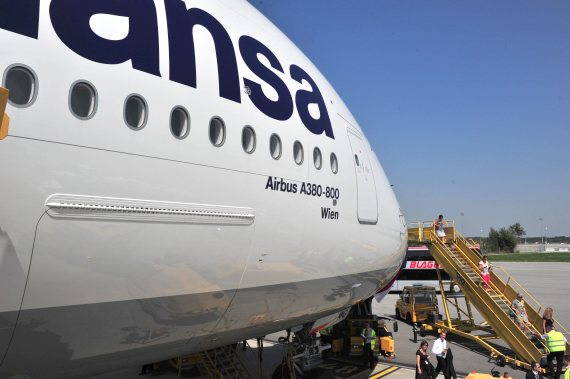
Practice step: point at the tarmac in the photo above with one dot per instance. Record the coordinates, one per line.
(546, 282)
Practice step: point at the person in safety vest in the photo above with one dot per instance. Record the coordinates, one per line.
(368, 341)
(567, 364)
(555, 342)
(326, 335)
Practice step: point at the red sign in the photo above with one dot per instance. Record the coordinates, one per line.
(421, 264)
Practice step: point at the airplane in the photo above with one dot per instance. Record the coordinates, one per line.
(178, 167)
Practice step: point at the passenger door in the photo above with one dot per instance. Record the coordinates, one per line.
(366, 189)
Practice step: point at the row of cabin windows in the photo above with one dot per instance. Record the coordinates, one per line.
(83, 100)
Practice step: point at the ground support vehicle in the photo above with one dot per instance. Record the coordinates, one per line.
(416, 303)
(346, 338)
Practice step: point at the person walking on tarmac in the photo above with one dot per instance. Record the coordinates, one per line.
(424, 369)
(368, 341)
(534, 372)
(556, 344)
(440, 350)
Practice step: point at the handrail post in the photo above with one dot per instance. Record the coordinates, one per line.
(443, 297)
(236, 353)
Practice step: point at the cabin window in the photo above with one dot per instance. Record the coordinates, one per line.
(83, 100)
(217, 131)
(136, 112)
(275, 146)
(22, 83)
(248, 140)
(179, 122)
(317, 158)
(334, 163)
(298, 153)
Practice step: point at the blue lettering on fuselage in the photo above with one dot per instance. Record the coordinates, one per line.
(70, 20)
(183, 55)
(282, 109)
(20, 16)
(304, 98)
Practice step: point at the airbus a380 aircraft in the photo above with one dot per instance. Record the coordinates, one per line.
(174, 165)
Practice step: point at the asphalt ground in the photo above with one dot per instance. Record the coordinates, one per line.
(546, 282)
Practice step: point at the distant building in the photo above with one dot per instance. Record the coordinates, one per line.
(539, 248)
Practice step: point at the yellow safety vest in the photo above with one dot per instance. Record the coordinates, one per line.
(325, 332)
(373, 337)
(555, 342)
(567, 374)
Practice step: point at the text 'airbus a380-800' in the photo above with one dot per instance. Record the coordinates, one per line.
(175, 164)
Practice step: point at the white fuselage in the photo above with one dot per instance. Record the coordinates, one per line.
(205, 245)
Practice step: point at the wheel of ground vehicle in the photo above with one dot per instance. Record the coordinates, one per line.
(500, 361)
(409, 318)
(282, 372)
(398, 314)
(319, 373)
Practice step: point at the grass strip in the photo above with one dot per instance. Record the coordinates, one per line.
(530, 257)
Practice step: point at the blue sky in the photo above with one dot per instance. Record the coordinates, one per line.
(466, 103)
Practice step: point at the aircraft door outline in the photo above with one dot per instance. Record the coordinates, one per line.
(367, 200)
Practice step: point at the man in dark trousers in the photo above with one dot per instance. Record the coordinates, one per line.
(449, 368)
(556, 345)
(368, 342)
(535, 372)
(439, 349)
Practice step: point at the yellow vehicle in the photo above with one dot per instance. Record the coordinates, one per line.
(416, 303)
(347, 339)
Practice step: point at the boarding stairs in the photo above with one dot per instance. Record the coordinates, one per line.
(227, 362)
(461, 261)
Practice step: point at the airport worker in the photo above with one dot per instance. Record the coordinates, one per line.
(326, 335)
(424, 369)
(534, 373)
(439, 348)
(547, 319)
(439, 223)
(519, 311)
(556, 344)
(567, 364)
(506, 375)
(484, 266)
(368, 341)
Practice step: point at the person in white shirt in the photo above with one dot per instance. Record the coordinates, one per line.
(439, 349)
